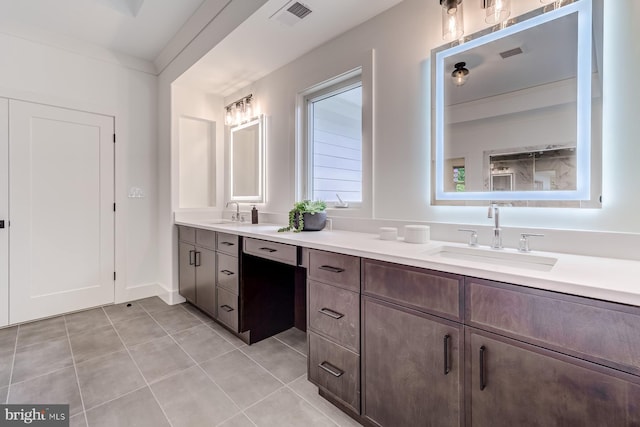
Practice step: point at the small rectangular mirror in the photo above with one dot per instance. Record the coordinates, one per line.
(246, 160)
(522, 123)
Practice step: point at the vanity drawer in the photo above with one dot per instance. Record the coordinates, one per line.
(228, 272)
(426, 290)
(227, 243)
(335, 312)
(602, 332)
(206, 238)
(228, 308)
(280, 252)
(187, 234)
(335, 369)
(337, 269)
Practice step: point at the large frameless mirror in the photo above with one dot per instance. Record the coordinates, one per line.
(246, 161)
(517, 111)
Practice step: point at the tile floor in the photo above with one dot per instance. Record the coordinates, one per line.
(151, 364)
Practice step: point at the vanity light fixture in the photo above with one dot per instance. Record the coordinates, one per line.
(496, 10)
(460, 74)
(452, 19)
(239, 111)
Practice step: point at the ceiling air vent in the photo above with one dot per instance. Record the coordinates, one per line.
(291, 13)
(512, 52)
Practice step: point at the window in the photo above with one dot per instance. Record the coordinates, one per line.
(334, 143)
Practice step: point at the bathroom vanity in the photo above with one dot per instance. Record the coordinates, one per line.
(405, 335)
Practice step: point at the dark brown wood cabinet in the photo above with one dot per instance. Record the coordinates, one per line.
(186, 255)
(197, 268)
(511, 383)
(412, 367)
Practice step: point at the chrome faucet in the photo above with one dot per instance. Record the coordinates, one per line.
(237, 216)
(494, 212)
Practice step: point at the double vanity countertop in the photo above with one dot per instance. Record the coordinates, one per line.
(608, 279)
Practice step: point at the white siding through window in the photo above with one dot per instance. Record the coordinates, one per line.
(337, 145)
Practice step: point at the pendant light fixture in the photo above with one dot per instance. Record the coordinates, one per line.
(240, 111)
(452, 19)
(497, 10)
(460, 74)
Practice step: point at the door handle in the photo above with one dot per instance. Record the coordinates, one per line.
(226, 243)
(447, 357)
(227, 272)
(331, 313)
(191, 257)
(331, 268)
(226, 308)
(328, 367)
(483, 375)
(270, 250)
(198, 259)
(1, 223)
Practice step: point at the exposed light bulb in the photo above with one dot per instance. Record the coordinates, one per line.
(228, 117)
(248, 109)
(460, 74)
(497, 11)
(452, 22)
(238, 113)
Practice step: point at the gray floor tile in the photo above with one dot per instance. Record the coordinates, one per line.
(40, 331)
(60, 387)
(137, 409)
(6, 363)
(3, 394)
(309, 392)
(203, 343)
(241, 378)
(125, 311)
(107, 377)
(8, 338)
(139, 330)
(295, 338)
(239, 420)
(175, 320)
(95, 343)
(78, 421)
(226, 334)
(85, 321)
(283, 362)
(196, 312)
(286, 409)
(190, 398)
(160, 358)
(43, 358)
(153, 304)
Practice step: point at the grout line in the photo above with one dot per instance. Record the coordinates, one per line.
(115, 398)
(194, 361)
(13, 364)
(264, 398)
(139, 370)
(75, 369)
(290, 346)
(311, 403)
(265, 369)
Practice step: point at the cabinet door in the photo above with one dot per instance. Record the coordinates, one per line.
(186, 254)
(206, 280)
(516, 384)
(412, 372)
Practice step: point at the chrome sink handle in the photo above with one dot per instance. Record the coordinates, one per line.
(523, 245)
(473, 237)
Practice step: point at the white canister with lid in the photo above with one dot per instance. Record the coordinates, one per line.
(417, 233)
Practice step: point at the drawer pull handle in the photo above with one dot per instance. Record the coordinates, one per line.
(191, 257)
(227, 243)
(447, 358)
(227, 308)
(227, 272)
(270, 250)
(483, 375)
(331, 268)
(331, 313)
(326, 366)
(198, 259)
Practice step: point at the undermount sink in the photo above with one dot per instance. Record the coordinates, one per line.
(495, 257)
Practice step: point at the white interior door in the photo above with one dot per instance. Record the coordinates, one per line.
(61, 195)
(4, 212)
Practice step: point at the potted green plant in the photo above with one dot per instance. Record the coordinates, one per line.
(307, 215)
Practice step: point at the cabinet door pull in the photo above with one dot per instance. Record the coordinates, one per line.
(331, 269)
(226, 243)
(331, 313)
(270, 250)
(447, 358)
(483, 375)
(191, 257)
(227, 272)
(328, 367)
(226, 308)
(198, 259)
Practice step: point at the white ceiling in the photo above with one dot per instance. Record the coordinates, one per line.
(260, 45)
(139, 28)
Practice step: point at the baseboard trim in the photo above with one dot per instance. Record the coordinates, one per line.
(170, 297)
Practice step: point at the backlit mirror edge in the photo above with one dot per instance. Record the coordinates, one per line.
(260, 197)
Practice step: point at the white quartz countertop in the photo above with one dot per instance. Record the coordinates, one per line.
(607, 279)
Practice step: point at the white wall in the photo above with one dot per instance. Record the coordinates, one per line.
(402, 39)
(39, 73)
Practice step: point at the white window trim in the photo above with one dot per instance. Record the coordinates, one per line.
(364, 73)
